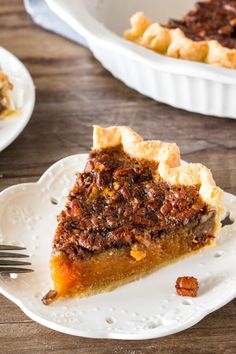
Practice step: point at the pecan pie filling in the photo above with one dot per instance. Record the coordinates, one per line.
(215, 19)
(116, 203)
(5, 90)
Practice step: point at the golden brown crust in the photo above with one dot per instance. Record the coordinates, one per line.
(135, 146)
(167, 155)
(222, 56)
(156, 38)
(184, 48)
(139, 23)
(174, 43)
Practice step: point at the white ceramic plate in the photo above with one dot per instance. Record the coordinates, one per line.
(189, 85)
(23, 96)
(143, 309)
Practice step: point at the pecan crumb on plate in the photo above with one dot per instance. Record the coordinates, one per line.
(49, 297)
(186, 286)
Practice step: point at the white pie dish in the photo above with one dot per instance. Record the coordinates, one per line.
(189, 85)
(144, 309)
(23, 97)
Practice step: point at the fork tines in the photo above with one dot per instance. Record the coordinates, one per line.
(10, 270)
(10, 266)
(10, 247)
(12, 255)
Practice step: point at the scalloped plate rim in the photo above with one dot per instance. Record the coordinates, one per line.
(103, 334)
(26, 115)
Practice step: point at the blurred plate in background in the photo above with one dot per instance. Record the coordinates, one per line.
(23, 96)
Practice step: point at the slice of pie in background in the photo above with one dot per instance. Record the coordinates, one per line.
(206, 34)
(132, 210)
(6, 106)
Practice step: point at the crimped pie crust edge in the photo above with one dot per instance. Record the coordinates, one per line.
(167, 155)
(174, 43)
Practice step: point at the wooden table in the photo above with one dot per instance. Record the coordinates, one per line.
(74, 92)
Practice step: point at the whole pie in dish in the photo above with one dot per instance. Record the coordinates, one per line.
(6, 87)
(132, 210)
(206, 34)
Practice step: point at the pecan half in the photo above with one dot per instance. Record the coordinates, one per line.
(186, 286)
(49, 297)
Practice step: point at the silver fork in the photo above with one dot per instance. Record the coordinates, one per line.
(12, 266)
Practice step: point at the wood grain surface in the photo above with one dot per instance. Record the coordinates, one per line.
(74, 92)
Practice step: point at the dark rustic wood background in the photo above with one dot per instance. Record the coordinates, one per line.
(74, 92)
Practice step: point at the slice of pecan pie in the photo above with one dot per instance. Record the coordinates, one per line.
(206, 34)
(132, 210)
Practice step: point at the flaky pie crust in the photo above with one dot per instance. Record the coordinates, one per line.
(174, 43)
(167, 155)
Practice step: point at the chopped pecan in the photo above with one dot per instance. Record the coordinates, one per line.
(165, 208)
(125, 192)
(124, 173)
(233, 22)
(231, 7)
(227, 29)
(49, 297)
(104, 162)
(100, 179)
(89, 166)
(75, 209)
(187, 286)
(120, 237)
